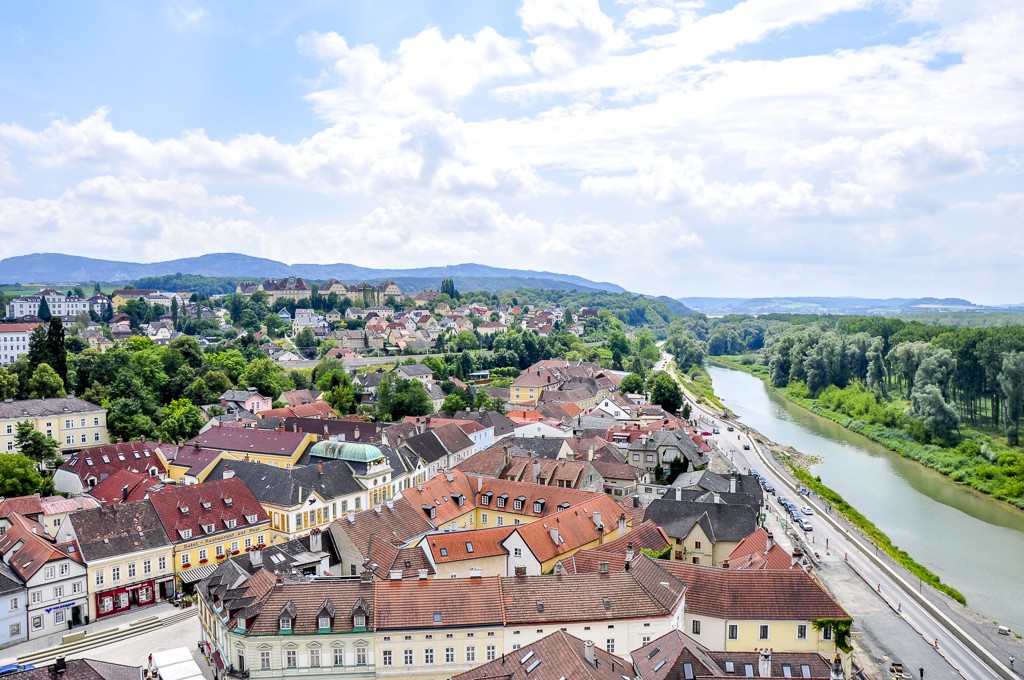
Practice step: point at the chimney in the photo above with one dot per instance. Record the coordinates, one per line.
(554, 535)
(732, 482)
(480, 482)
(679, 493)
(60, 666)
(377, 508)
(764, 663)
(256, 557)
(450, 477)
(590, 452)
(536, 471)
(124, 493)
(629, 552)
(390, 503)
(622, 524)
(228, 473)
(80, 501)
(320, 469)
(769, 543)
(351, 517)
(597, 519)
(315, 540)
(395, 575)
(798, 555)
(366, 576)
(589, 653)
(355, 436)
(422, 574)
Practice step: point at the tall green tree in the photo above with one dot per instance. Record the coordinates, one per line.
(181, 420)
(8, 384)
(19, 476)
(44, 309)
(56, 350)
(1011, 382)
(174, 312)
(45, 383)
(34, 444)
(665, 392)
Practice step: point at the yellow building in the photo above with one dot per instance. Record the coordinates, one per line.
(73, 423)
(527, 388)
(129, 558)
(737, 610)
(206, 523)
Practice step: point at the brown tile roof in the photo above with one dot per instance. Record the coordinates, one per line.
(118, 530)
(455, 546)
(789, 595)
(83, 669)
(552, 496)
(438, 603)
(438, 492)
(489, 462)
(215, 503)
(648, 535)
(395, 524)
(308, 599)
(453, 438)
(584, 597)
(318, 410)
(559, 655)
(251, 440)
(576, 526)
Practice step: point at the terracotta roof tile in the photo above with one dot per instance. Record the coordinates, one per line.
(188, 508)
(774, 595)
(455, 546)
(438, 603)
(557, 655)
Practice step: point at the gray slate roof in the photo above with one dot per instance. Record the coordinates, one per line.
(118, 530)
(277, 486)
(720, 522)
(35, 408)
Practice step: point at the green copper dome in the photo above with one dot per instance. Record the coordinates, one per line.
(350, 451)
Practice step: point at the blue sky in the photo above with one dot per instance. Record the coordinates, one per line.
(765, 147)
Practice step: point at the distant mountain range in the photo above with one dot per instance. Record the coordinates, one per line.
(827, 305)
(55, 268)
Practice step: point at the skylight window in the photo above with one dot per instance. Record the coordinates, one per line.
(469, 547)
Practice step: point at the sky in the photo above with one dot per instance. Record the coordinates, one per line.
(681, 148)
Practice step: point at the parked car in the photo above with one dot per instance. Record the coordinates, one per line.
(746, 447)
(715, 430)
(15, 668)
(705, 434)
(769, 488)
(805, 525)
(807, 510)
(783, 500)
(730, 428)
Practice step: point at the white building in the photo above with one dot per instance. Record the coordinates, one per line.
(14, 341)
(13, 603)
(59, 303)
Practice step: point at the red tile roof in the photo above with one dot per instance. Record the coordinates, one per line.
(455, 546)
(112, 489)
(36, 549)
(575, 526)
(102, 461)
(753, 553)
(216, 503)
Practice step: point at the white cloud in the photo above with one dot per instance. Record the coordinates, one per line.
(185, 17)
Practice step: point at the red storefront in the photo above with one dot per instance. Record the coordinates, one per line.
(142, 594)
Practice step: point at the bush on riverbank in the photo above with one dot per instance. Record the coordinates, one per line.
(874, 533)
(698, 381)
(979, 460)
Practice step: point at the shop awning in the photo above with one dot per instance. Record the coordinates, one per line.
(198, 573)
(218, 660)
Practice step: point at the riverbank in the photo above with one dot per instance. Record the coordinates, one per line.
(976, 462)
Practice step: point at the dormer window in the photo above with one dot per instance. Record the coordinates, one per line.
(285, 623)
(359, 620)
(538, 505)
(286, 619)
(184, 510)
(251, 519)
(324, 617)
(502, 499)
(207, 505)
(230, 523)
(208, 528)
(519, 502)
(485, 499)
(228, 501)
(324, 622)
(185, 533)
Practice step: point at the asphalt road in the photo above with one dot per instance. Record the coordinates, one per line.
(832, 542)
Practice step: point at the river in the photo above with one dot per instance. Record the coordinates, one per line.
(974, 543)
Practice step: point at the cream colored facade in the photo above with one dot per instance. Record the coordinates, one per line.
(697, 548)
(108, 578)
(215, 547)
(739, 635)
(75, 428)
